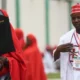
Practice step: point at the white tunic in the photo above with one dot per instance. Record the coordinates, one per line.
(67, 71)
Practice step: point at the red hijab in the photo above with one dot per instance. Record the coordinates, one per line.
(20, 36)
(17, 65)
(34, 59)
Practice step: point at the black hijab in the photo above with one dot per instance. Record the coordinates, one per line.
(6, 42)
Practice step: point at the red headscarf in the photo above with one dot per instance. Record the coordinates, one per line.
(33, 39)
(48, 47)
(19, 33)
(34, 59)
(17, 65)
(20, 36)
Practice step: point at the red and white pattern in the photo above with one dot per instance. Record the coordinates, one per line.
(75, 8)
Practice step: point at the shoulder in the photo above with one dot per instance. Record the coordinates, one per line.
(67, 35)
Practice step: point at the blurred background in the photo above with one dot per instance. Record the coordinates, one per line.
(48, 20)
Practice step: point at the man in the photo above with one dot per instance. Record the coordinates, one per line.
(34, 59)
(69, 49)
(12, 64)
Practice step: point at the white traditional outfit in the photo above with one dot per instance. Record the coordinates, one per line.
(70, 63)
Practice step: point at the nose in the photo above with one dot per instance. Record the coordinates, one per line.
(76, 19)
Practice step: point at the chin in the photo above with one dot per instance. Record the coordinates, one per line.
(78, 28)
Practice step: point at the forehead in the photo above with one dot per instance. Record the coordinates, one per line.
(75, 14)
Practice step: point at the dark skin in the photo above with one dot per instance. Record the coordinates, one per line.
(68, 47)
(3, 63)
(28, 43)
(76, 21)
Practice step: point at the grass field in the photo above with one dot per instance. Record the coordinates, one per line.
(53, 79)
(53, 76)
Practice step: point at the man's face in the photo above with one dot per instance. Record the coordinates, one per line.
(76, 20)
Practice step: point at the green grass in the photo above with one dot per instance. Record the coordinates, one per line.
(53, 75)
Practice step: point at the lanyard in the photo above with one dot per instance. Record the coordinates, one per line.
(77, 39)
(78, 42)
(72, 55)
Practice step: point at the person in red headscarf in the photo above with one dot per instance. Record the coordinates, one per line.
(69, 48)
(49, 49)
(20, 36)
(48, 60)
(34, 59)
(12, 64)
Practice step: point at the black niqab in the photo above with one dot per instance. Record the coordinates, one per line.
(6, 42)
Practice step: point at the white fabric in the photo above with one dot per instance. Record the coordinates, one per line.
(48, 62)
(67, 72)
(5, 77)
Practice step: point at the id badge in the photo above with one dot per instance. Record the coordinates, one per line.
(76, 62)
